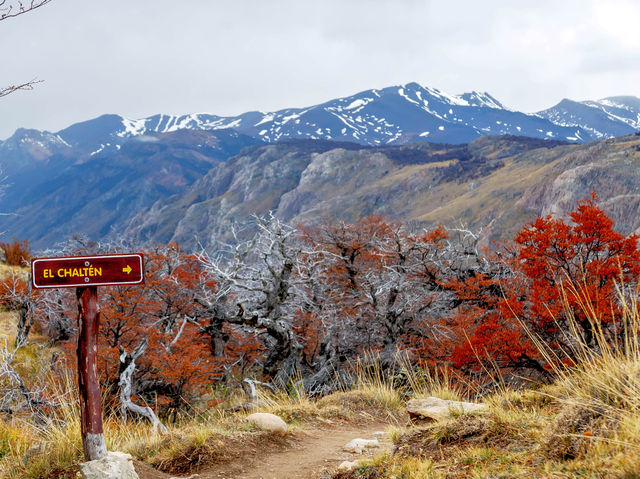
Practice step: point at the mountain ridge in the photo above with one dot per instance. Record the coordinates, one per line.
(163, 178)
(395, 114)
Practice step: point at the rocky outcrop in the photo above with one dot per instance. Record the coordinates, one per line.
(609, 168)
(249, 184)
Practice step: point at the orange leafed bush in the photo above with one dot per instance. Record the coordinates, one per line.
(560, 272)
(17, 253)
(179, 364)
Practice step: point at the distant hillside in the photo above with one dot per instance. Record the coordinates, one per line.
(55, 190)
(494, 183)
(191, 186)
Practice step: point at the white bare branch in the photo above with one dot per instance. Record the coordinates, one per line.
(126, 382)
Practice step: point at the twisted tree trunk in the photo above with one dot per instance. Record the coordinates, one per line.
(127, 367)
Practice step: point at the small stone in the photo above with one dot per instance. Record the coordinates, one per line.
(267, 422)
(115, 465)
(347, 465)
(358, 445)
(436, 409)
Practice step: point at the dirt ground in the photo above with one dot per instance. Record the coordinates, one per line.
(308, 454)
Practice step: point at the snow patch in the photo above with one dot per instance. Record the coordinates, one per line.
(265, 119)
(132, 127)
(406, 97)
(358, 103)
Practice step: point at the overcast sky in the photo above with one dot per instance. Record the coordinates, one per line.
(140, 57)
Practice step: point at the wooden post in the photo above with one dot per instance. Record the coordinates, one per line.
(89, 385)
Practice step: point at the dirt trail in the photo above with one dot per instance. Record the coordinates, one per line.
(310, 454)
(316, 452)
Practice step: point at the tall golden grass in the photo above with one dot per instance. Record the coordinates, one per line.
(605, 374)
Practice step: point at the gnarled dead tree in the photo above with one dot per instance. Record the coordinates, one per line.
(357, 287)
(256, 283)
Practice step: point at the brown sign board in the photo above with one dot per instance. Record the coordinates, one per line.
(80, 271)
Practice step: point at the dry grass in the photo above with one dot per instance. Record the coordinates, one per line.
(60, 446)
(585, 424)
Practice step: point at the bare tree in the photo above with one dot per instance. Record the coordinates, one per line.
(16, 294)
(256, 284)
(127, 367)
(20, 394)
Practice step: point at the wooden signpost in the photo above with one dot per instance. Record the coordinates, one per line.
(86, 273)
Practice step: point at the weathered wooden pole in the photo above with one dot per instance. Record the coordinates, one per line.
(86, 273)
(89, 385)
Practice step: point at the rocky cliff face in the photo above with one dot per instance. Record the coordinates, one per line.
(251, 183)
(181, 187)
(495, 184)
(610, 168)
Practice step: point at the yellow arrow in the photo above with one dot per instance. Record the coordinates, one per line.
(127, 269)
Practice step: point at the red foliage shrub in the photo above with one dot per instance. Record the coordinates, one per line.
(178, 365)
(559, 271)
(577, 266)
(17, 253)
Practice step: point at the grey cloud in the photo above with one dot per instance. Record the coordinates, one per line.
(145, 57)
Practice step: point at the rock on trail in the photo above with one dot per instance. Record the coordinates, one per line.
(357, 446)
(267, 422)
(436, 409)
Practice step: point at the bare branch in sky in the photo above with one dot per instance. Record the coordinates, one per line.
(13, 9)
(4, 91)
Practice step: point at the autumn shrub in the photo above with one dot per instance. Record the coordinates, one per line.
(17, 253)
(177, 365)
(562, 277)
(182, 360)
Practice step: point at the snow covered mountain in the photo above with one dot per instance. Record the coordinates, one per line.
(613, 116)
(398, 114)
(394, 115)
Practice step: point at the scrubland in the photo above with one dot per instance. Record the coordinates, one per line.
(547, 338)
(586, 423)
